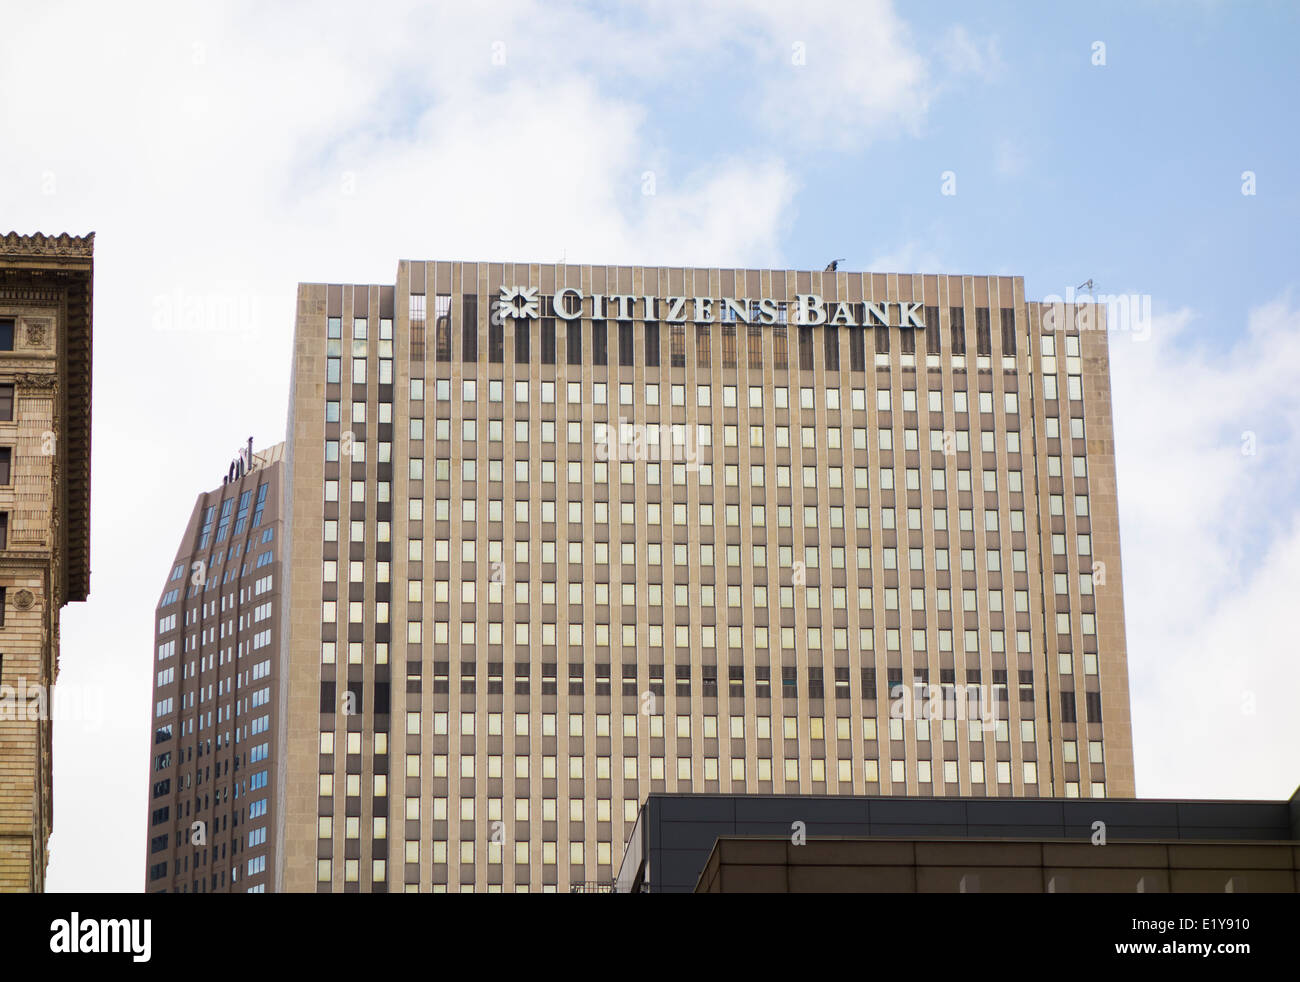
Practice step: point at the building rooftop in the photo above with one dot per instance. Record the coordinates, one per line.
(675, 833)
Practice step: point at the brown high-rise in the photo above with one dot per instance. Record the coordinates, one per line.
(214, 740)
(45, 361)
(558, 537)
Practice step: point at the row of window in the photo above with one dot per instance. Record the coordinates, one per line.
(783, 474)
(702, 515)
(760, 637)
(651, 391)
(631, 441)
(223, 521)
(706, 595)
(680, 555)
(762, 770)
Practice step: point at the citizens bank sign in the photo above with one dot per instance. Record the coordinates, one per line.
(807, 309)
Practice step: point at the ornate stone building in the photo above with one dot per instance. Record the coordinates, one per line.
(45, 365)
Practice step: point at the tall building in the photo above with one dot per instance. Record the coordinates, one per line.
(563, 536)
(215, 747)
(560, 537)
(45, 363)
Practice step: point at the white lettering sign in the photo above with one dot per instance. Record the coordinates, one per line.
(806, 310)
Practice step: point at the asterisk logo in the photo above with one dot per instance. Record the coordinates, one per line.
(518, 302)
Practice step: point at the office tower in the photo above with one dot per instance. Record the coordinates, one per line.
(45, 362)
(214, 750)
(563, 536)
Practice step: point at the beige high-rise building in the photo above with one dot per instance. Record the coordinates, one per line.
(45, 364)
(553, 538)
(561, 536)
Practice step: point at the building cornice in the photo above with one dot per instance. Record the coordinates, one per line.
(40, 244)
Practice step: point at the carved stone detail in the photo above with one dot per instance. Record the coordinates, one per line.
(24, 600)
(29, 296)
(36, 380)
(40, 244)
(38, 333)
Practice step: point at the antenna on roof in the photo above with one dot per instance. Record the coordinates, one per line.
(1086, 285)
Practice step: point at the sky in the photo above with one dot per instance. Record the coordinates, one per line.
(222, 153)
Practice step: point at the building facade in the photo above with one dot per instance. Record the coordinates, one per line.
(888, 844)
(45, 362)
(214, 753)
(564, 536)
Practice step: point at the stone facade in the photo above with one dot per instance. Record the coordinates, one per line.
(45, 330)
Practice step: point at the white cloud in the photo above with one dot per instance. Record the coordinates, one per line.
(1211, 548)
(841, 74)
(964, 55)
(909, 257)
(1010, 160)
(225, 154)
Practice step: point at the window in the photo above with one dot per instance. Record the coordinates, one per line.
(677, 346)
(6, 403)
(1067, 706)
(1008, 331)
(4, 530)
(7, 334)
(496, 341)
(6, 460)
(548, 340)
(932, 333)
(574, 340)
(983, 338)
(417, 327)
(226, 505)
(882, 342)
(521, 343)
(241, 518)
(831, 338)
(957, 318)
(258, 510)
(858, 351)
(755, 347)
(805, 349)
(469, 327)
(1092, 702)
(626, 353)
(442, 327)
